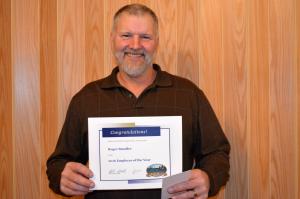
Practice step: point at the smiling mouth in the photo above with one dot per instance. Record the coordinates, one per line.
(132, 54)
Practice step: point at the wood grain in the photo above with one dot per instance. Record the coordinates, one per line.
(283, 100)
(244, 54)
(6, 136)
(26, 92)
(167, 49)
(258, 96)
(187, 61)
(71, 52)
(210, 54)
(49, 88)
(235, 97)
(298, 85)
(94, 33)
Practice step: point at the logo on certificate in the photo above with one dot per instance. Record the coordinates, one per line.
(156, 170)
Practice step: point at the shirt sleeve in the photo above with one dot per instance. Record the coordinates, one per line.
(70, 147)
(211, 147)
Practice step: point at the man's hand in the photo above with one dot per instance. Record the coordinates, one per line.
(75, 179)
(196, 187)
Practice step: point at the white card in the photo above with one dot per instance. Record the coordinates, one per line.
(172, 180)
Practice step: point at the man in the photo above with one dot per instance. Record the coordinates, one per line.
(137, 87)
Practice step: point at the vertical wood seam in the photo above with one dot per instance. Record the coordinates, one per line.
(269, 100)
(39, 91)
(176, 39)
(12, 19)
(199, 43)
(105, 10)
(296, 7)
(84, 41)
(248, 94)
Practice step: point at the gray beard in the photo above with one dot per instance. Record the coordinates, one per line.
(133, 70)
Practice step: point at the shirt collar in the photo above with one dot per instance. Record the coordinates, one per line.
(162, 78)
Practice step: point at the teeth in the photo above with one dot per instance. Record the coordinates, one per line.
(134, 54)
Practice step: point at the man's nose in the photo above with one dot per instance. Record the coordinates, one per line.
(135, 42)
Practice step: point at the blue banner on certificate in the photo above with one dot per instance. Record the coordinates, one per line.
(134, 152)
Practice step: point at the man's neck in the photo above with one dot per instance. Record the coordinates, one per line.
(137, 85)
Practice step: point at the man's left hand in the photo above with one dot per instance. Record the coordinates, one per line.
(196, 187)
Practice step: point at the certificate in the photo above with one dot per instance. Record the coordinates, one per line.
(134, 152)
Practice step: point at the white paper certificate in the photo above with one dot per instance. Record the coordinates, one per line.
(134, 152)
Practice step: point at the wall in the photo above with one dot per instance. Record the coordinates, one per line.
(245, 55)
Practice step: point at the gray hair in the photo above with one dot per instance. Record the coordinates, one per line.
(136, 10)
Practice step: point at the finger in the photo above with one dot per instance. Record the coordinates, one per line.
(195, 184)
(71, 192)
(80, 168)
(189, 194)
(74, 186)
(200, 193)
(185, 195)
(182, 186)
(69, 175)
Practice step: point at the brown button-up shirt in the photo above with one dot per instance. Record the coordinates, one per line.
(204, 143)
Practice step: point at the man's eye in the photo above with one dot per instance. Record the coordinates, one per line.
(125, 36)
(146, 37)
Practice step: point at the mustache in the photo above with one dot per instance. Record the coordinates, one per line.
(134, 51)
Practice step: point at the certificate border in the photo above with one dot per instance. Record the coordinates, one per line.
(174, 123)
(138, 180)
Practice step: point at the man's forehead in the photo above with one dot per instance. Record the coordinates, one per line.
(126, 15)
(126, 21)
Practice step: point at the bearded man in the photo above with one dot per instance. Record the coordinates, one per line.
(138, 87)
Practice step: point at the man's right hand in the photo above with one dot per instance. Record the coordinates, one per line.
(75, 179)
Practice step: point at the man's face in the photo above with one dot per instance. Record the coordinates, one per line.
(134, 43)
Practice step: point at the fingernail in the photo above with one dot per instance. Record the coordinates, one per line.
(170, 190)
(91, 175)
(92, 185)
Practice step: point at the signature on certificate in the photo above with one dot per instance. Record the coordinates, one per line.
(117, 171)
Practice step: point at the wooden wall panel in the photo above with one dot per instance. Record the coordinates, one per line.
(167, 50)
(235, 97)
(6, 136)
(26, 92)
(144, 2)
(49, 88)
(210, 44)
(94, 33)
(283, 100)
(70, 52)
(298, 85)
(244, 54)
(258, 96)
(187, 57)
